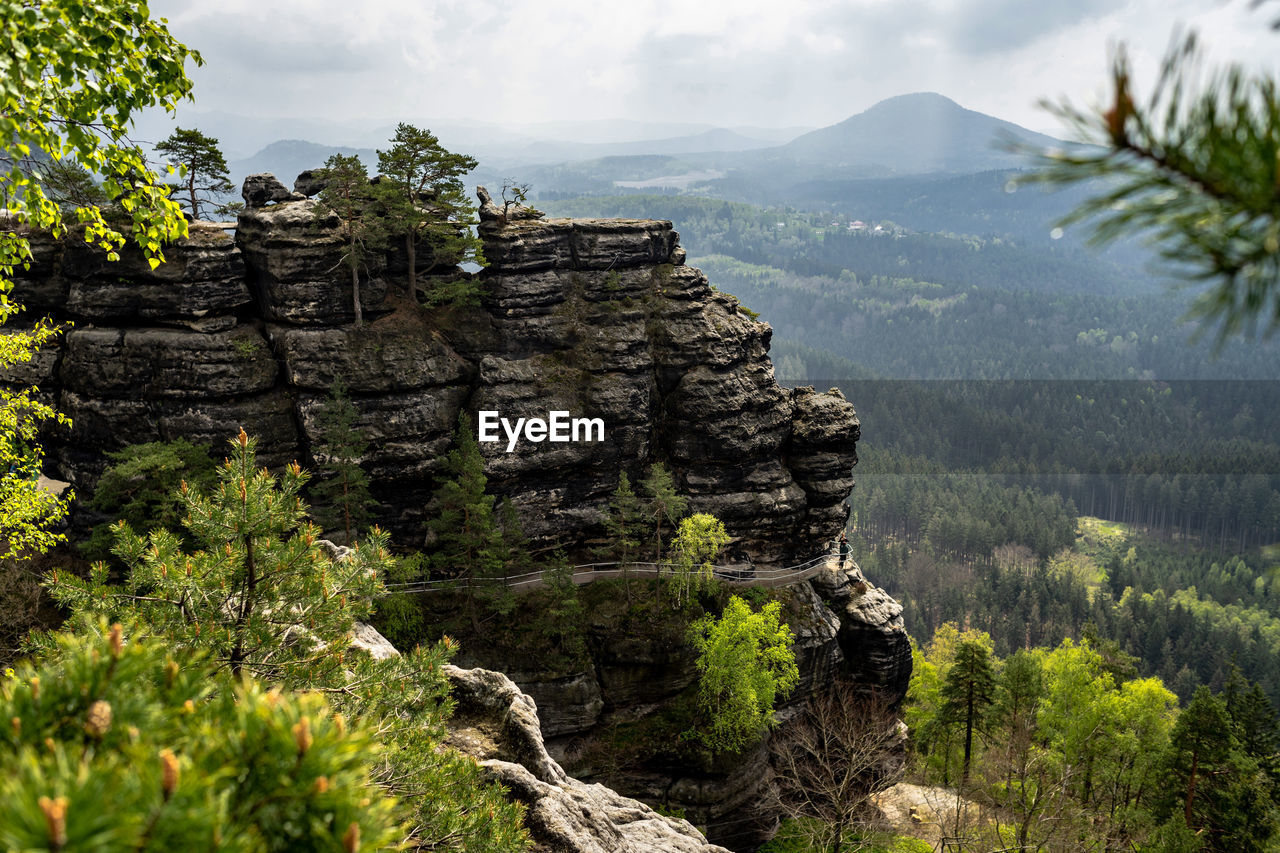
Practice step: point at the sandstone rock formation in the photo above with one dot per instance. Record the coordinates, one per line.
(499, 725)
(841, 623)
(599, 318)
(265, 188)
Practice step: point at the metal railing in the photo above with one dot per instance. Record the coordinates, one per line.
(741, 574)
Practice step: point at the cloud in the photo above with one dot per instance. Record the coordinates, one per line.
(996, 26)
(699, 61)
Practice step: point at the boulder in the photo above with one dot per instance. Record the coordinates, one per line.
(310, 183)
(264, 188)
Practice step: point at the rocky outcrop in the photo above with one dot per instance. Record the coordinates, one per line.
(263, 189)
(596, 318)
(499, 726)
(592, 718)
(876, 648)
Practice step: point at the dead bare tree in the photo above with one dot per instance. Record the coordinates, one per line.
(845, 747)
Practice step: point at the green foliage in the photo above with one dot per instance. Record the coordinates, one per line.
(563, 617)
(115, 745)
(699, 539)
(464, 534)
(27, 510)
(74, 76)
(70, 185)
(262, 595)
(1195, 169)
(142, 488)
(625, 526)
(400, 616)
(665, 505)
(424, 201)
(745, 664)
(967, 693)
(201, 167)
(795, 836)
(254, 557)
(1070, 760)
(625, 522)
(1214, 783)
(350, 196)
(343, 486)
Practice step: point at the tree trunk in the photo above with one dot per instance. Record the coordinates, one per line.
(968, 738)
(195, 203)
(355, 285)
(411, 249)
(1191, 786)
(238, 653)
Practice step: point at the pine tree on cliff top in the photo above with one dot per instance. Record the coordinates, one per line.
(202, 171)
(424, 200)
(349, 195)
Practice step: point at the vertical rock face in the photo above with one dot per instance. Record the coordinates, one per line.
(600, 319)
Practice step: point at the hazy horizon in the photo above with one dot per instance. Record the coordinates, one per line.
(714, 64)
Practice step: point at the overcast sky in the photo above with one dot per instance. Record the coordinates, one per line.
(721, 62)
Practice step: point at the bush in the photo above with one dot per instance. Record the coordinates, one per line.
(114, 745)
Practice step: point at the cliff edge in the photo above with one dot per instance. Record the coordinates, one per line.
(249, 327)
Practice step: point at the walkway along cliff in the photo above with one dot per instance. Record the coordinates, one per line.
(600, 318)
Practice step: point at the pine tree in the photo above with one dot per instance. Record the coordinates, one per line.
(967, 693)
(141, 487)
(344, 486)
(117, 742)
(625, 526)
(253, 558)
(665, 505)
(464, 535)
(424, 199)
(202, 169)
(348, 194)
(1194, 170)
(1218, 790)
(261, 594)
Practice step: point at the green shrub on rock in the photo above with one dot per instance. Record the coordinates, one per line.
(260, 595)
(112, 744)
(745, 663)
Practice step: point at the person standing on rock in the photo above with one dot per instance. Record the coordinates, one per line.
(844, 551)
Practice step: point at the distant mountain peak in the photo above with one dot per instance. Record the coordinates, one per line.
(916, 133)
(915, 99)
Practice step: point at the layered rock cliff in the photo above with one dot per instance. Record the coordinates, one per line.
(498, 725)
(599, 318)
(617, 718)
(249, 327)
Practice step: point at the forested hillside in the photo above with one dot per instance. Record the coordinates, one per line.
(1047, 452)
